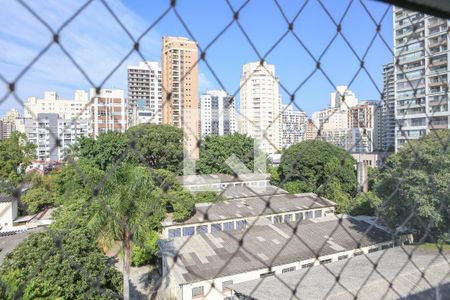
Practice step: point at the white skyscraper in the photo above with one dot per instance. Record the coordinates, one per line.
(260, 106)
(109, 111)
(144, 93)
(293, 125)
(217, 113)
(421, 75)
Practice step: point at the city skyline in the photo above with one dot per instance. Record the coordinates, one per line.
(292, 68)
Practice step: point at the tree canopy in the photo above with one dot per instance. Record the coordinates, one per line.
(215, 150)
(319, 167)
(414, 185)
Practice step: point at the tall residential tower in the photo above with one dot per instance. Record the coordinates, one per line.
(217, 113)
(180, 89)
(260, 106)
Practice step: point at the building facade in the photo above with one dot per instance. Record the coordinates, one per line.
(180, 89)
(260, 106)
(52, 134)
(388, 109)
(310, 130)
(144, 93)
(293, 123)
(108, 111)
(77, 108)
(421, 75)
(217, 113)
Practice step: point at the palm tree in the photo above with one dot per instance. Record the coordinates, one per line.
(120, 211)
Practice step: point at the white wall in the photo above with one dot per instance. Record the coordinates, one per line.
(8, 213)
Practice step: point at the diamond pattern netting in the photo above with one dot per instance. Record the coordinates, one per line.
(315, 57)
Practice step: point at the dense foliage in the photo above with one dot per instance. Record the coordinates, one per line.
(15, 153)
(319, 167)
(415, 182)
(215, 150)
(157, 146)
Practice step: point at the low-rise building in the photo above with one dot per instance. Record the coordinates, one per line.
(244, 206)
(217, 182)
(401, 273)
(8, 210)
(207, 266)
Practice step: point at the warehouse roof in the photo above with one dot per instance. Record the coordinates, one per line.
(202, 257)
(263, 204)
(220, 178)
(357, 275)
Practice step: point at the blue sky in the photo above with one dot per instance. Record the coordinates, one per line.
(98, 44)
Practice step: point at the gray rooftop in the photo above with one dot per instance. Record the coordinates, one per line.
(215, 255)
(233, 192)
(7, 198)
(218, 178)
(252, 204)
(319, 282)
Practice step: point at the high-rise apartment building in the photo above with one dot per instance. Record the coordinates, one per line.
(310, 130)
(108, 111)
(421, 74)
(293, 123)
(260, 106)
(180, 89)
(364, 120)
(217, 113)
(144, 93)
(388, 109)
(77, 108)
(52, 134)
(8, 123)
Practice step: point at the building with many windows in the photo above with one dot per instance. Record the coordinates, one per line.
(260, 106)
(180, 89)
(293, 124)
(388, 109)
(421, 74)
(108, 111)
(144, 93)
(8, 123)
(217, 113)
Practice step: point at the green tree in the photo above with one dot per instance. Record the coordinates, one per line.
(317, 166)
(125, 210)
(365, 204)
(215, 150)
(103, 151)
(37, 199)
(73, 268)
(157, 146)
(415, 182)
(15, 152)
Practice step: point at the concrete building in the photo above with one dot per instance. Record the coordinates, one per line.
(260, 106)
(8, 210)
(293, 124)
(388, 109)
(77, 108)
(144, 93)
(310, 130)
(217, 113)
(108, 111)
(208, 265)
(8, 123)
(180, 89)
(421, 74)
(52, 134)
(401, 273)
(220, 182)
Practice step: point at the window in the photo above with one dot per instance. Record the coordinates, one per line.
(373, 250)
(298, 216)
(201, 229)
(197, 292)
(277, 219)
(226, 285)
(305, 266)
(285, 270)
(308, 215)
(188, 231)
(357, 253)
(342, 257)
(317, 214)
(227, 226)
(174, 232)
(216, 227)
(287, 218)
(264, 275)
(387, 246)
(325, 261)
(241, 224)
